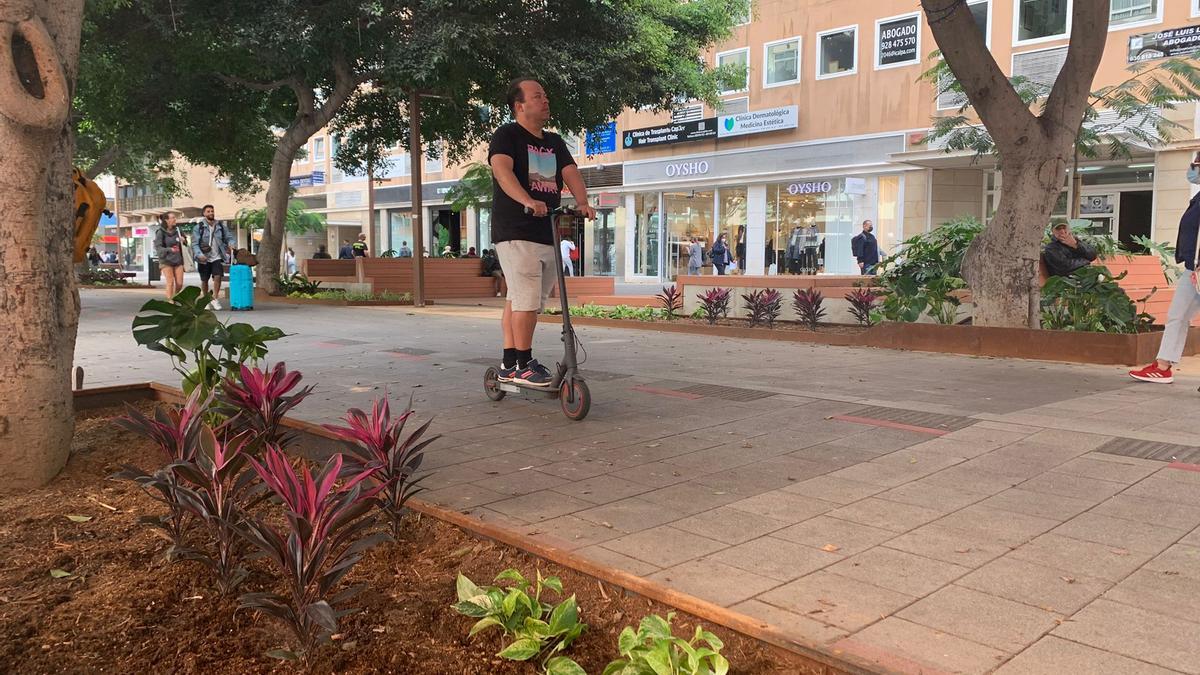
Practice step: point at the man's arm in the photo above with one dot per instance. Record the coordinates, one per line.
(502, 169)
(575, 184)
(1086, 251)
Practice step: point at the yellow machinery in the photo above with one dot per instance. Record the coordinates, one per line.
(89, 206)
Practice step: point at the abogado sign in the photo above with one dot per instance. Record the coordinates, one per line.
(1164, 44)
(899, 41)
(757, 121)
(676, 132)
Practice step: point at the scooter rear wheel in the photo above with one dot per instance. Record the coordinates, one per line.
(491, 384)
(575, 399)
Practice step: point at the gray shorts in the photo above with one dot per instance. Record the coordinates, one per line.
(529, 271)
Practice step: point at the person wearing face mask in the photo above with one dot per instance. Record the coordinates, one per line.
(865, 248)
(1186, 303)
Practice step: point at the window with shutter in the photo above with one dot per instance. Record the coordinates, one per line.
(1041, 66)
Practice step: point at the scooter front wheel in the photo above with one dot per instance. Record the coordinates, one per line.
(575, 399)
(491, 384)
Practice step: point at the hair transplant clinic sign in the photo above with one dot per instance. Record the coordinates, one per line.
(757, 121)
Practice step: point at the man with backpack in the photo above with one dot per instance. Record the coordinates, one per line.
(211, 244)
(570, 253)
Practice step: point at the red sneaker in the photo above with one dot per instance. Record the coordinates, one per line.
(1152, 373)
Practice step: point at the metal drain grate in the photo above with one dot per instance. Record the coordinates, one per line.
(1164, 452)
(726, 393)
(344, 342)
(915, 418)
(411, 351)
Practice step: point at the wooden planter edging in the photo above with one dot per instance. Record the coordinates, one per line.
(285, 300)
(319, 442)
(1020, 343)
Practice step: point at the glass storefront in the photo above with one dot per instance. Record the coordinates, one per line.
(603, 239)
(689, 216)
(399, 229)
(647, 232)
(810, 225)
(483, 228)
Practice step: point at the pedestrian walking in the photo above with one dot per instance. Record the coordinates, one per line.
(359, 248)
(722, 257)
(865, 248)
(405, 251)
(695, 253)
(1186, 303)
(168, 246)
(569, 256)
(211, 250)
(289, 260)
(346, 252)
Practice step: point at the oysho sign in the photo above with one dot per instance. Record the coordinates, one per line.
(757, 121)
(683, 169)
(810, 188)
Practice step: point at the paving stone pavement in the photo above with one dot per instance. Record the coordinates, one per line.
(1008, 545)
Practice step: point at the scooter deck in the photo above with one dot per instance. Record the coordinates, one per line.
(518, 389)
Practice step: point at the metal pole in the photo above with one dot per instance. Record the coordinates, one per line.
(414, 148)
(371, 245)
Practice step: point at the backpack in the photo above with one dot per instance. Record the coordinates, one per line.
(575, 254)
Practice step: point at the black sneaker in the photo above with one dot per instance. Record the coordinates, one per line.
(534, 375)
(506, 373)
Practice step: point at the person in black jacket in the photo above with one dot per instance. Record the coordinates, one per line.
(1066, 253)
(1186, 303)
(865, 248)
(491, 268)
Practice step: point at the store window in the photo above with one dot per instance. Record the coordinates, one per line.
(837, 52)
(810, 224)
(433, 158)
(1134, 11)
(318, 149)
(647, 233)
(738, 58)
(781, 62)
(483, 227)
(400, 229)
(889, 226)
(1042, 19)
(982, 11)
(689, 216)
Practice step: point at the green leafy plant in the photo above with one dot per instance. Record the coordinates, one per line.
(537, 629)
(354, 296)
(671, 301)
(925, 272)
(102, 276)
(298, 283)
(1090, 299)
(763, 306)
(809, 306)
(184, 328)
(473, 190)
(862, 305)
(714, 303)
(1166, 257)
(654, 649)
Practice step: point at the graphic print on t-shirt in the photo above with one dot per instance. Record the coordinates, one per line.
(543, 168)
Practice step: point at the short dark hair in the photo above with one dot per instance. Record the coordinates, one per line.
(516, 94)
(208, 206)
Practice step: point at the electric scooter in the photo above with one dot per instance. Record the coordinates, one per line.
(568, 385)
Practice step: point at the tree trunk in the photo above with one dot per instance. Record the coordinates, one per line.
(1001, 265)
(39, 43)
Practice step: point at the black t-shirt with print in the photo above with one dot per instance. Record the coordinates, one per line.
(538, 164)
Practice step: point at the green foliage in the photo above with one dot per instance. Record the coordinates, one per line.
(1134, 110)
(298, 284)
(1090, 299)
(299, 219)
(654, 649)
(591, 311)
(184, 328)
(1166, 257)
(924, 273)
(102, 276)
(353, 296)
(535, 629)
(473, 190)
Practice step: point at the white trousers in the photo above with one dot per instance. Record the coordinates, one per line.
(1184, 307)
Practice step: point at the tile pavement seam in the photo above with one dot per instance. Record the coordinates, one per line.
(1087, 646)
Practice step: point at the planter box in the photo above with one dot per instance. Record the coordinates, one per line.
(1021, 343)
(260, 296)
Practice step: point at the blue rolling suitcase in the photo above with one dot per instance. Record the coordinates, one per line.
(241, 288)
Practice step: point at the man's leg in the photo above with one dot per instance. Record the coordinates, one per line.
(1184, 306)
(217, 277)
(205, 272)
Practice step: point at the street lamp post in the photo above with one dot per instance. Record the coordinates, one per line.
(414, 148)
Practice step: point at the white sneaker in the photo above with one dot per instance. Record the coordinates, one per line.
(216, 304)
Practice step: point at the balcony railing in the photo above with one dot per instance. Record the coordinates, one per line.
(145, 202)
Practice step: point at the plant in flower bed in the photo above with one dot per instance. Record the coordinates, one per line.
(592, 311)
(378, 442)
(327, 535)
(355, 296)
(175, 431)
(862, 305)
(102, 276)
(184, 327)
(1090, 299)
(520, 617)
(257, 402)
(671, 300)
(298, 283)
(715, 304)
(809, 306)
(763, 306)
(653, 648)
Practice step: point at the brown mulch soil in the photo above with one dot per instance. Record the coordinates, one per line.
(836, 328)
(125, 608)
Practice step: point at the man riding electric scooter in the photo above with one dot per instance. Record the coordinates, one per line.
(529, 167)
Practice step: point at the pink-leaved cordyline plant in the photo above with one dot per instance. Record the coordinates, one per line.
(326, 536)
(258, 400)
(378, 441)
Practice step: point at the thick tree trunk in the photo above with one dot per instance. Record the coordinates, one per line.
(1001, 265)
(39, 44)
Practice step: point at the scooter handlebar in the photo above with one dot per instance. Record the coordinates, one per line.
(560, 211)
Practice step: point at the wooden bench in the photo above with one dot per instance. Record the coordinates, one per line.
(1145, 276)
(444, 278)
(330, 270)
(581, 286)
